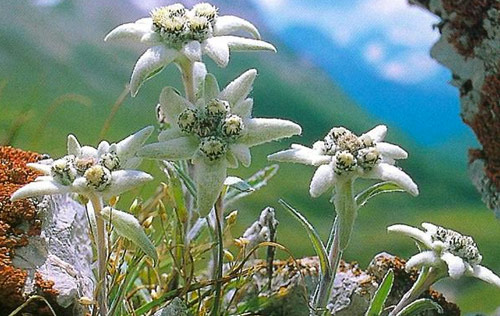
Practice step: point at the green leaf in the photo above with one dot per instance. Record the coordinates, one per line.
(419, 306)
(238, 184)
(376, 189)
(378, 301)
(313, 236)
(126, 225)
(255, 182)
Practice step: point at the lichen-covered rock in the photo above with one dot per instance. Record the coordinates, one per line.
(353, 288)
(44, 244)
(469, 47)
(403, 281)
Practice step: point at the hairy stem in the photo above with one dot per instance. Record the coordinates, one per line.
(187, 67)
(347, 211)
(102, 299)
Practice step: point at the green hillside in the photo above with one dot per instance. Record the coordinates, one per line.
(57, 56)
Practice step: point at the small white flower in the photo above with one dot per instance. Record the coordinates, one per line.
(343, 155)
(215, 133)
(105, 171)
(448, 250)
(175, 33)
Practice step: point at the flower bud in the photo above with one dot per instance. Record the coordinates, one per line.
(216, 107)
(187, 120)
(368, 157)
(63, 170)
(231, 218)
(110, 160)
(228, 256)
(98, 177)
(232, 126)
(199, 27)
(206, 10)
(213, 147)
(344, 161)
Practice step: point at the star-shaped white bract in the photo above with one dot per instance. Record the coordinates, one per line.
(105, 171)
(175, 33)
(343, 155)
(215, 133)
(448, 250)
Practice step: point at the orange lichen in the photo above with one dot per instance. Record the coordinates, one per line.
(486, 125)
(449, 309)
(13, 175)
(466, 22)
(45, 286)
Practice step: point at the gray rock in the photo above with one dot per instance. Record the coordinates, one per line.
(62, 253)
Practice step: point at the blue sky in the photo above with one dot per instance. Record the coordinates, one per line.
(378, 52)
(393, 37)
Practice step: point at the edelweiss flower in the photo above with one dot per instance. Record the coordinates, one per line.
(446, 250)
(176, 33)
(343, 155)
(216, 132)
(104, 171)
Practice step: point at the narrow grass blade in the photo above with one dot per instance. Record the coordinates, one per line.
(313, 235)
(376, 189)
(378, 301)
(419, 306)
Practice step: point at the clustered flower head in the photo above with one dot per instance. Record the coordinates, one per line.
(448, 250)
(343, 155)
(215, 132)
(104, 171)
(176, 24)
(214, 125)
(177, 34)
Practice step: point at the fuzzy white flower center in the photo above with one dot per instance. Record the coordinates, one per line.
(213, 147)
(350, 152)
(98, 177)
(458, 245)
(63, 170)
(177, 25)
(232, 126)
(110, 160)
(205, 10)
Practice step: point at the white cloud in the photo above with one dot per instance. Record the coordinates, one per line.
(408, 69)
(271, 5)
(374, 52)
(47, 3)
(400, 30)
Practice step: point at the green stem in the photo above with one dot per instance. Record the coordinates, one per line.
(102, 299)
(187, 67)
(426, 278)
(219, 211)
(346, 209)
